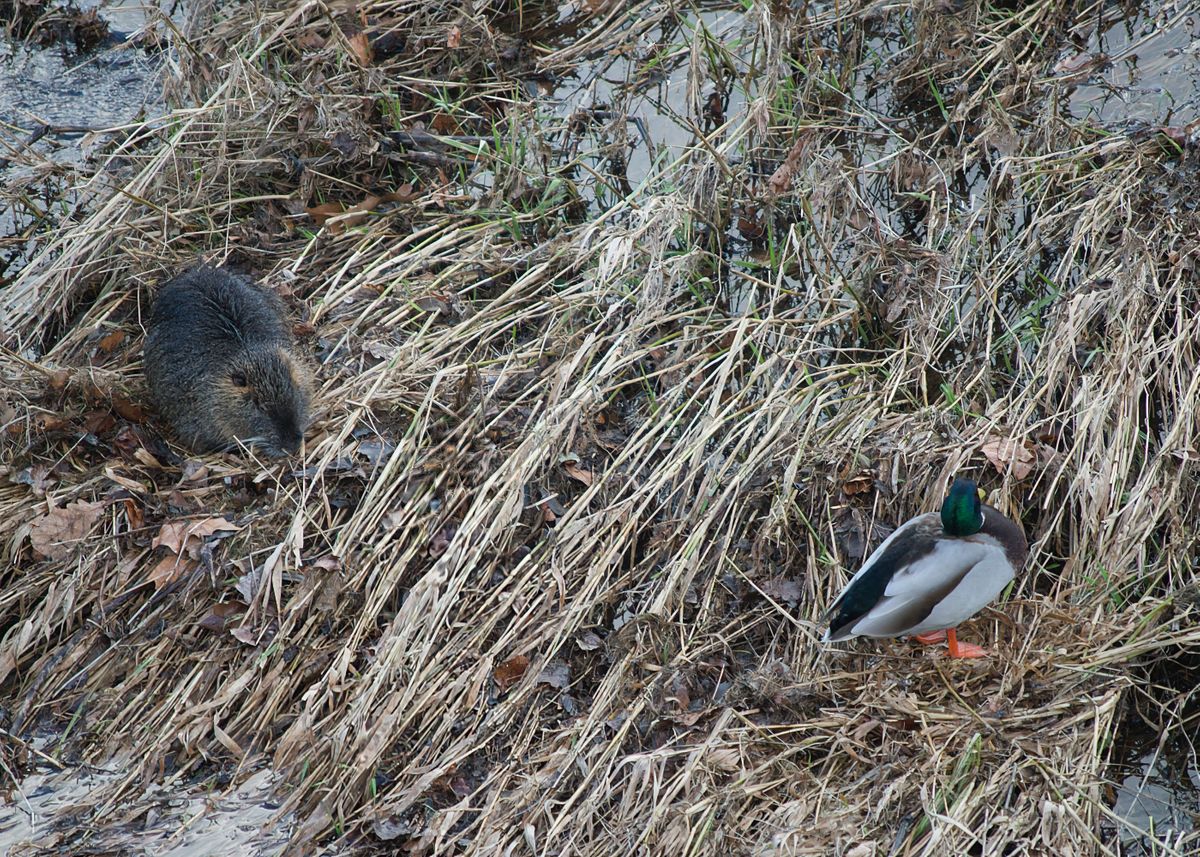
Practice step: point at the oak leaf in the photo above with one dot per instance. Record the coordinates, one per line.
(169, 569)
(187, 536)
(56, 534)
(1005, 452)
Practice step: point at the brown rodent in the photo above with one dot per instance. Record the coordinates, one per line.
(221, 364)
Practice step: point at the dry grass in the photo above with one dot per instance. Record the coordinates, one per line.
(590, 463)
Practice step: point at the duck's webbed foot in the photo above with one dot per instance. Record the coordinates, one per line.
(930, 637)
(963, 650)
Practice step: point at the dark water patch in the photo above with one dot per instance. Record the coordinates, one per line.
(1154, 770)
(1157, 788)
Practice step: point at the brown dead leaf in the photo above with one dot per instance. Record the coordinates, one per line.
(1080, 64)
(194, 470)
(56, 534)
(751, 226)
(37, 477)
(444, 123)
(317, 824)
(433, 304)
(578, 473)
(98, 422)
(863, 849)
(45, 422)
(355, 214)
(781, 179)
(8, 663)
(680, 692)
(864, 729)
(860, 484)
(310, 41)
(58, 381)
(722, 343)
(714, 108)
(327, 600)
(691, 718)
(127, 408)
(245, 634)
(387, 829)
(127, 441)
(125, 482)
(510, 672)
(328, 562)
(345, 144)
(112, 340)
(249, 582)
(169, 569)
(94, 393)
(360, 48)
(727, 759)
(133, 514)
(552, 509)
(454, 37)
(147, 458)
(324, 211)
(187, 536)
(440, 542)
(1006, 452)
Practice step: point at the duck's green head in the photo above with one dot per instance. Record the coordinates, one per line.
(961, 515)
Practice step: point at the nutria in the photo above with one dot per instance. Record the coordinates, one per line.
(221, 364)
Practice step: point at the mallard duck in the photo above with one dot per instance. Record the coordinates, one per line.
(934, 572)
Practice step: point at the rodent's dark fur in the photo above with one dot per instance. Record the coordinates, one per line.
(221, 363)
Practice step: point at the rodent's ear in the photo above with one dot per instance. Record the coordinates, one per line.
(239, 380)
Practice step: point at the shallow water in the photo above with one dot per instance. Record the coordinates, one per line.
(178, 822)
(1152, 74)
(76, 93)
(1158, 789)
(627, 115)
(653, 94)
(107, 87)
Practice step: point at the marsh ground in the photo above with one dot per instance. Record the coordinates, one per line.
(636, 326)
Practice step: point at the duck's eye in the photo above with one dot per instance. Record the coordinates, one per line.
(238, 379)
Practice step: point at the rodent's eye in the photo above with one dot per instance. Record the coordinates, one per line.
(238, 379)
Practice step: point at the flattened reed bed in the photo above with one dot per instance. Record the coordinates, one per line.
(585, 475)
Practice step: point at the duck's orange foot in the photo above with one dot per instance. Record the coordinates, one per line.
(963, 650)
(930, 637)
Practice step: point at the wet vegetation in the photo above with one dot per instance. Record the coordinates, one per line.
(637, 328)
(46, 23)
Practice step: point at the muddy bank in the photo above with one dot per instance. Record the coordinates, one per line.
(636, 329)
